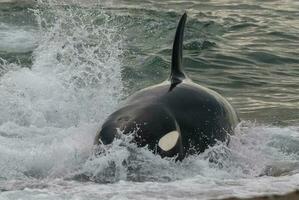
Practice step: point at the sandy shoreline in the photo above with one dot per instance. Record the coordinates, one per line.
(289, 196)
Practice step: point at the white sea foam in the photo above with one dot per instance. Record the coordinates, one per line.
(51, 112)
(17, 40)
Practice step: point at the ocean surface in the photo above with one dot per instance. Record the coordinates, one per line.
(66, 65)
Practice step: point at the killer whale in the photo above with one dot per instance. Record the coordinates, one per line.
(175, 118)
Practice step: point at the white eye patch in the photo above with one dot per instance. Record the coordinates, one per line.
(168, 141)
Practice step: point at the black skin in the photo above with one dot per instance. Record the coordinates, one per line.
(201, 116)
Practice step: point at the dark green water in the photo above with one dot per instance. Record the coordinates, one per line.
(247, 51)
(64, 67)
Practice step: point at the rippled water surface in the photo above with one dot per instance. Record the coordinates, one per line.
(65, 66)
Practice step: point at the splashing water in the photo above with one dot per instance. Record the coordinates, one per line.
(52, 108)
(124, 161)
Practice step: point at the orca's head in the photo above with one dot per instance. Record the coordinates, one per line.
(151, 125)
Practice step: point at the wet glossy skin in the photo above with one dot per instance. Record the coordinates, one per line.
(197, 116)
(200, 115)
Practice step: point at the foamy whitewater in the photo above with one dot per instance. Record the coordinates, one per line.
(51, 111)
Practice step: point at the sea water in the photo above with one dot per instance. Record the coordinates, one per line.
(66, 65)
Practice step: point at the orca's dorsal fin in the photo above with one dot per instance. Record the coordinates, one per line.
(176, 74)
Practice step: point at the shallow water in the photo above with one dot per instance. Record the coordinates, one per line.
(64, 67)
